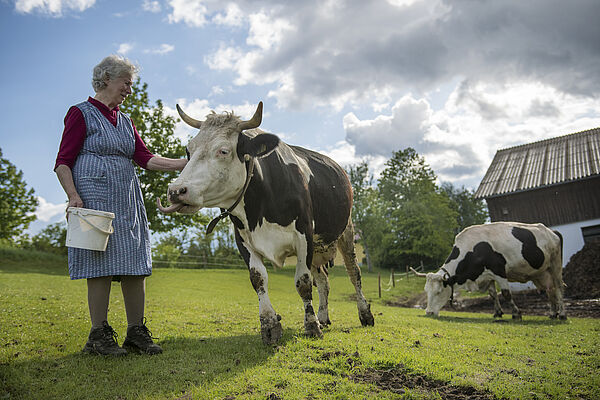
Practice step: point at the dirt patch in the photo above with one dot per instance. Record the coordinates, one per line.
(530, 302)
(582, 273)
(397, 380)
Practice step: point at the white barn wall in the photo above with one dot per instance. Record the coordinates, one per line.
(572, 237)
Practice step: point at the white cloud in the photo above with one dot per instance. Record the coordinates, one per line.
(55, 8)
(190, 12)
(338, 54)
(124, 48)
(46, 211)
(151, 6)
(161, 50)
(233, 16)
(460, 140)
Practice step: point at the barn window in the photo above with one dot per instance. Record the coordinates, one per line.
(591, 233)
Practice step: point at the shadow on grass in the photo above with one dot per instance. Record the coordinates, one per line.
(185, 363)
(527, 320)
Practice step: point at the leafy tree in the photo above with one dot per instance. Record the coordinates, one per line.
(157, 130)
(17, 203)
(51, 239)
(366, 210)
(168, 251)
(419, 220)
(470, 211)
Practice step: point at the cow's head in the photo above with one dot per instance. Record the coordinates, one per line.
(438, 291)
(215, 173)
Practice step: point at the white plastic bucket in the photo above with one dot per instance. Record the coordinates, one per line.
(88, 229)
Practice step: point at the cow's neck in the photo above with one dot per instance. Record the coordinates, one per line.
(232, 209)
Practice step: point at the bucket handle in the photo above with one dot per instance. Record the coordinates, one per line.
(109, 232)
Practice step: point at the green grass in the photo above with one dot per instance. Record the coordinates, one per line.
(207, 323)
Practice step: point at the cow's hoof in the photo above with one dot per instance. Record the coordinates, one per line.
(366, 317)
(270, 330)
(498, 315)
(313, 329)
(562, 317)
(324, 322)
(518, 317)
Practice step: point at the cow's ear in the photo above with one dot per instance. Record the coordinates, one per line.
(261, 145)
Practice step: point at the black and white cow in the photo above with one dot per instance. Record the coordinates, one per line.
(283, 200)
(500, 252)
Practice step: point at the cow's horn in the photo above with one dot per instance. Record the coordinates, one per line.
(255, 121)
(187, 119)
(418, 273)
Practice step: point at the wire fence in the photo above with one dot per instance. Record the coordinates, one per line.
(198, 262)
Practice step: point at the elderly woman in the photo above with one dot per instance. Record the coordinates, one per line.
(94, 168)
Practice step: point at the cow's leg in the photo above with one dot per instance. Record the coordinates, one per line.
(304, 289)
(497, 307)
(322, 281)
(303, 281)
(506, 293)
(346, 246)
(553, 284)
(270, 327)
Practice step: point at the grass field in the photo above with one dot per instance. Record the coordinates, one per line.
(207, 323)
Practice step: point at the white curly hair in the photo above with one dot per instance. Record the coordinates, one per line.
(112, 67)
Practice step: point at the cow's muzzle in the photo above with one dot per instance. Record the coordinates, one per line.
(174, 194)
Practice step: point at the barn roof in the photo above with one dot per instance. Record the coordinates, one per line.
(548, 162)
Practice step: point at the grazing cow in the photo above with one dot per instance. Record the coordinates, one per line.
(500, 252)
(282, 200)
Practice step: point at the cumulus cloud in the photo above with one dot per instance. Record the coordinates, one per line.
(124, 48)
(151, 6)
(161, 50)
(190, 12)
(55, 8)
(460, 139)
(344, 52)
(46, 211)
(233, 16)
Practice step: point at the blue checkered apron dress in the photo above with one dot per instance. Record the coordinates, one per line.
(105, 179)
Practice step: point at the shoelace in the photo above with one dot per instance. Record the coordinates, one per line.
(110, 335)
(145, 331)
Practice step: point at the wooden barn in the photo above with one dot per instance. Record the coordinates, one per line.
(555, 182)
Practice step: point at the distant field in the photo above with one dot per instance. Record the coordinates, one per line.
(207, 323)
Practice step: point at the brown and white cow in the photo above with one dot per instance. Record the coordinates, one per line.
(283, 200)
(500, 252)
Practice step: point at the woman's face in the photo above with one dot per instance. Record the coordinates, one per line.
(118, 89)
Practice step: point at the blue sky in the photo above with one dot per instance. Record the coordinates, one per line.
(353, 79)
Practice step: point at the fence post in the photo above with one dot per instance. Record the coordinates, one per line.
(393, 279)
(379, 284)
(407, 276)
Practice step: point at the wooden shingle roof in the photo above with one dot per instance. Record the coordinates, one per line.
(544, 163)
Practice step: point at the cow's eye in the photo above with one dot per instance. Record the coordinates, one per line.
(224, 152)
(187, 153)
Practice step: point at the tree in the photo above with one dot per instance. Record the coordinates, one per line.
(17, 202)
(51, 239)
(419, 220)
(157, 130)
(366, 209)
(470, 211)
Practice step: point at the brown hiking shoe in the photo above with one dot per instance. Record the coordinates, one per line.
(103, 341)
(139, 340)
